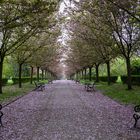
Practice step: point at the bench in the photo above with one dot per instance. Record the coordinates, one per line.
(77, 81)
(90, 86)
(50, 82)
(1, 114)
(39, 85)
(136, 114)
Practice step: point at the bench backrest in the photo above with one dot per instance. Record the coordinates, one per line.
(0, 106)
(137, 108)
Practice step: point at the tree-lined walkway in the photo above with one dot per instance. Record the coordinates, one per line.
(65, 111)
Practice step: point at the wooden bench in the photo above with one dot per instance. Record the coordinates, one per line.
(39, 86)
(1, 114)
(90, 87)
(136, 114)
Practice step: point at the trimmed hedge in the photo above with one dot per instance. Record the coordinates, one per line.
(23, 80)
(87, 77)
(124, 79)
(135, 79)
(113, 79)
(4, 81)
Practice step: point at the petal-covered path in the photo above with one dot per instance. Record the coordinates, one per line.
(65, 111)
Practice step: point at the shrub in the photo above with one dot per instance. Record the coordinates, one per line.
(113, 79)
(124, 79)
(4, 81)
(23, 80)
(87, 77)
(15, 80)
(135, 79)
(103, 78)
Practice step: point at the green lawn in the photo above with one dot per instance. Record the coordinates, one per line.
(120, 93)
(12, 91)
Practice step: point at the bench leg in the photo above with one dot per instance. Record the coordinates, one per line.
(1, 114)
(89, 90)
(1, 123)
(93, 88)
(136, 117)
(42, 88)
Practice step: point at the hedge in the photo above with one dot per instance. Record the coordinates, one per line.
(23, 80)
(135, 79)
(124, 79)
(4, 81)
(113, 79)
(87, 77)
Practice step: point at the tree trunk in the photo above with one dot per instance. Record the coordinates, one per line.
(90, 73)
(45, 74)
(97, 72)
(108, 72)
(1, 69)
(19, 76)
(31, 75)
(42, 74)
(38, 74)
(79, 75)
(76, 75)
(129, 82)
(49, 75)
(82, 74)
(85, 73)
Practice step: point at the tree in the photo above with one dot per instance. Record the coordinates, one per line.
(125, 6)
(23, 54)
(126, 33)
(119, 21)
(26, 17)
(97, 39)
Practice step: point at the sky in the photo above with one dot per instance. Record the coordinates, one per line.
(62, 10)
(61, 39)
(65, 4)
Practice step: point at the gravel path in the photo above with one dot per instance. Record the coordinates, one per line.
(65, 111)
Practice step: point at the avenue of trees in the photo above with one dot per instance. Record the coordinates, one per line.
(87, 34)
(28, 34)
(101, 31)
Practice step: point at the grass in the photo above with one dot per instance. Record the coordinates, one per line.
(120, 93)
(116, 91)
(44, 81)
(86, 81)
(12, 91)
